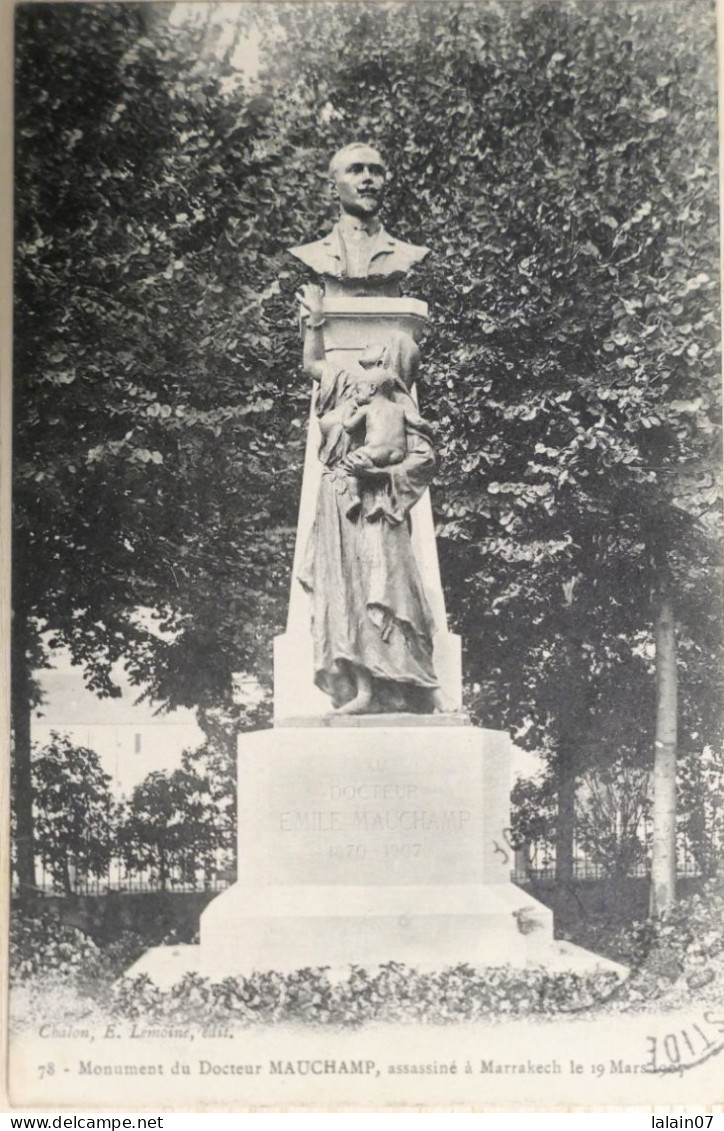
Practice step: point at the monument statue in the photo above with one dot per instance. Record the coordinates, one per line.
(371, 623)
(369, 588)
(374, 832)
(358, 257)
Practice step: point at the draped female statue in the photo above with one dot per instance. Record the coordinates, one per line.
(371, 624)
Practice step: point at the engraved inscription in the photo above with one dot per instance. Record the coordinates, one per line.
(374, 820)
(347, 851)
(312, 822)
(379, 791)
(364, 823)
(406, 851)
(411, 820)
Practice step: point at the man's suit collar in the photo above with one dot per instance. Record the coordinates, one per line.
(326, 256)
(332, 243)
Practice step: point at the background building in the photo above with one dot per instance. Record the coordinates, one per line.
(130, 739)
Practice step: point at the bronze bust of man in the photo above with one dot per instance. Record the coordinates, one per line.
(359, 257)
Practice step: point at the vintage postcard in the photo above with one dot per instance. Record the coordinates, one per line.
(366, 657)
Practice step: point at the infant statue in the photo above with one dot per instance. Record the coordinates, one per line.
(385, 423)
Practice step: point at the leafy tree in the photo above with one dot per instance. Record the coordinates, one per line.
(212, 765)
(700, 809)
(533, 820)
(75, 814)
(173, 827)
(142, 477)
(612, 805)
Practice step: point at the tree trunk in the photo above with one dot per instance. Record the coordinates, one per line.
(521, 862)
(663, 854)
(21, 777)
(567, 763)
(566, 823)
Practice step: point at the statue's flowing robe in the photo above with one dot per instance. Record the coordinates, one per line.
(368, 604)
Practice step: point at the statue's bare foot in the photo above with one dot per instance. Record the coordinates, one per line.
(360, 705)
(363, 699)
(441, 703)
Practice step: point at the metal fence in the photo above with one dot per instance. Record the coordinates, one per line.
(537, 861)
(124, 881)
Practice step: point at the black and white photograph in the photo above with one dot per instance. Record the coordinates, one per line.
(366, 578)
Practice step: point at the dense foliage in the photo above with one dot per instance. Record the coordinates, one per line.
(75, 813)
(41, 945)
(177, 825)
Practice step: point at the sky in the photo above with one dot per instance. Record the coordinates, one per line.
(225, 17)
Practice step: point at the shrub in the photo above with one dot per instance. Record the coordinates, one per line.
(43, 946)
(669, 954)
(692, 930)
(390, 993)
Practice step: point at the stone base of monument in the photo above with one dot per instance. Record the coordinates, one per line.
(371, 844)
(166, 966)
(427, 926)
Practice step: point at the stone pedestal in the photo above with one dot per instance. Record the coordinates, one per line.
(372, 840)
(370, 844)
